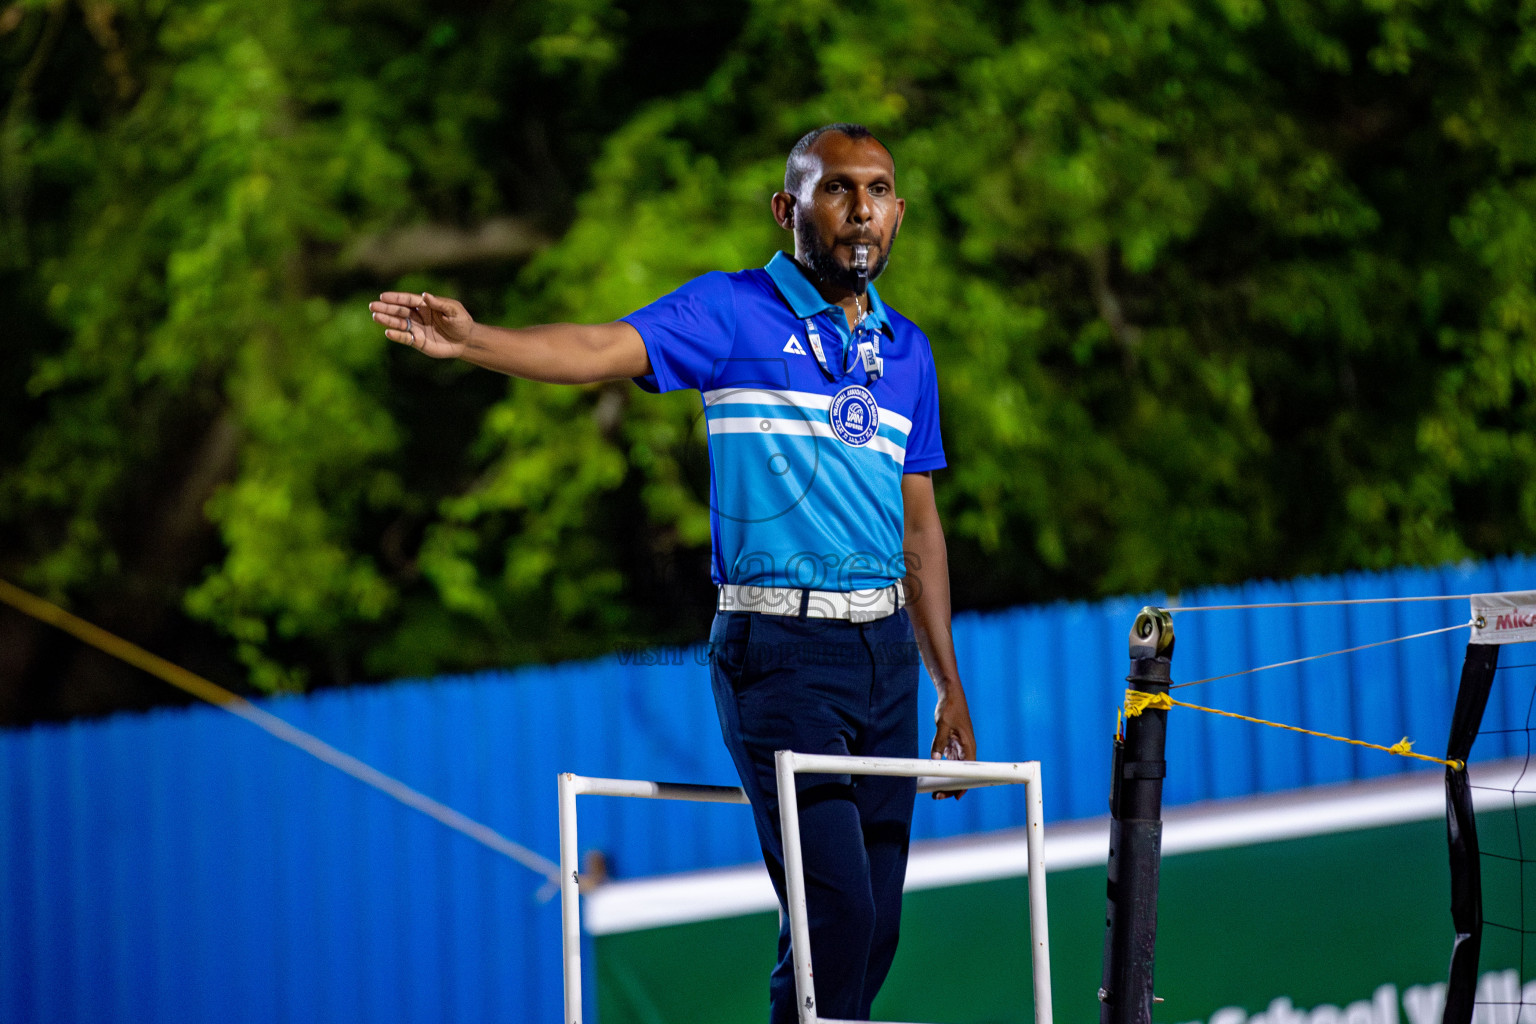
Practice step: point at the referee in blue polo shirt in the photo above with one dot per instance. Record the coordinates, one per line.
(822, 413)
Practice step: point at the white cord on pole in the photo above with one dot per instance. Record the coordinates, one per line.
(1170, 609)
(1315, 657)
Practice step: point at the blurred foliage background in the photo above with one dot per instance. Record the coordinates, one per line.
(1219, 289)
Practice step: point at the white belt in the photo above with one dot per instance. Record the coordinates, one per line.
(852, 605)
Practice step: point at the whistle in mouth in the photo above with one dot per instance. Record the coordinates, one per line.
(861, 267)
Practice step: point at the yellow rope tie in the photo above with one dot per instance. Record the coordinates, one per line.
(1136, 702)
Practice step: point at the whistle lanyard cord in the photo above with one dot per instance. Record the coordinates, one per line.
(873, 365)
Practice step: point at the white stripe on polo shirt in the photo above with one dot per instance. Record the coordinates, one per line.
(798, 399)
(800, 428)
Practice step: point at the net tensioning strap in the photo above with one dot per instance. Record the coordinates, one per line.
(1137, 701)
(197, 686)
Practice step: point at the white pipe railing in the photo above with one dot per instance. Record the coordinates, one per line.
(789, 764)
(974, 774)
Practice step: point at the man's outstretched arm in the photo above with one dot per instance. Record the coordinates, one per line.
(553, 353)
(928, 604)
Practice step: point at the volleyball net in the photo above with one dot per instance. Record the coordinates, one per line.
(1493, 962)
(1490, 787)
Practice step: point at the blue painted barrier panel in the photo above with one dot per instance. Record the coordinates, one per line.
(183, 866)
(1325, 684)
(1280, 755)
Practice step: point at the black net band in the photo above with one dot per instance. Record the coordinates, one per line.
(1477, 672)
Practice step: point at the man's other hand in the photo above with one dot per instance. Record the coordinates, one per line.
(433, 326)
(953, 738)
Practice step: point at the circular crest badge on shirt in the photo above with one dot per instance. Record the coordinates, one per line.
(855, 416)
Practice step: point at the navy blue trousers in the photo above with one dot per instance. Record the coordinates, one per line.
(819, 686)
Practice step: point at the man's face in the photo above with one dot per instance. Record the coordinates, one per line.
(848, 198)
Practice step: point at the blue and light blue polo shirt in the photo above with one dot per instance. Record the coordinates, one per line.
(805, 462)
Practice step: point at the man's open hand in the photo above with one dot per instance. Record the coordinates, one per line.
(953, 738)
(436, 327)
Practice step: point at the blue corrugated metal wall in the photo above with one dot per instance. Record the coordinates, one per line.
(183, 866)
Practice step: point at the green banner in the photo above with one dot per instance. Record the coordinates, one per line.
(1340, 928)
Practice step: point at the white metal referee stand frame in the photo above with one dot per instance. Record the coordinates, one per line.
(972, 773)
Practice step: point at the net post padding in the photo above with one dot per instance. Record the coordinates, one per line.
(1136, 831)
(1477, 673)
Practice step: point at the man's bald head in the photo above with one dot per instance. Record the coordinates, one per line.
(799, 163)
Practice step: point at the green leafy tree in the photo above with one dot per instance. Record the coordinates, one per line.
(201, 425)
(1218, 289)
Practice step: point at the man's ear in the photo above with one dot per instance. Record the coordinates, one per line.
(783, 206)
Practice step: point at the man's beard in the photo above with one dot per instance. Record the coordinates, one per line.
(821, 261)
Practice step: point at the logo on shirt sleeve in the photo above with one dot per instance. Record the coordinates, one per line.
(854, 415)
(793, 346)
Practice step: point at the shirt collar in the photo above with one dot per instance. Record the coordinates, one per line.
(805, 301)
